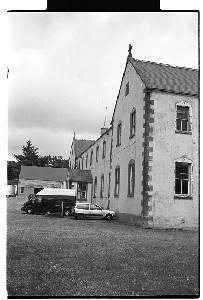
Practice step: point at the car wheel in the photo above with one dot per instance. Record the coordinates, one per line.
(108, 217)
(80, 216)
(29, 211)
(26, 211)
(67, 213)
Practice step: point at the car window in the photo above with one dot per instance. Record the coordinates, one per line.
(83, 206)
(94, 207)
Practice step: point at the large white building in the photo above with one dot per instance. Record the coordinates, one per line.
(146, 165)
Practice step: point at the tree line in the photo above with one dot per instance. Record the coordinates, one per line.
(30, 157)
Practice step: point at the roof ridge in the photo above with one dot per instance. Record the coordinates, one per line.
(162, 64)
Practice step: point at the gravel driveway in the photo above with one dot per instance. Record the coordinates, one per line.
(53, 256)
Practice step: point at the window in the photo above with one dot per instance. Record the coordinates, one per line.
(82, 191)
(131, 178)
(82, 162)
(97, 153)
(86, 160)
(95, 187)
(117, 180)
(182, 179)
(22, 189)
(127, 89)
(119, 134)
(182, 119)
(95, 207)
(83, 206)
(132, 123)
(102, 186)
(104, 149)
(91, 157)
(79, 165)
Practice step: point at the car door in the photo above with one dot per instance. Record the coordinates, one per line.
(95, 211)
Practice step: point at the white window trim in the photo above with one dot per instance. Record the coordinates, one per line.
(184, 104)
(186, 160)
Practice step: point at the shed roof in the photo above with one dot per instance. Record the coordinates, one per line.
(81, 145)
(43, 173)
(166, 78)
(78, 175)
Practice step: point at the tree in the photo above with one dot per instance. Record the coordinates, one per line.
(13, 170)
(30, 155)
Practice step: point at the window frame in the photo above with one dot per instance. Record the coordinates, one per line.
(132, 123)
(104, 149)
(127, 89)
(81, 191)
(183, 105)
(117, 181)
(102, 186)
(91, 157)
(131, 182)
(95, 187)
(119, 130)
(97, 154)
(184, 162)
(86, 160)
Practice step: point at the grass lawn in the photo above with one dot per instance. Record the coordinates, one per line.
(53, 256)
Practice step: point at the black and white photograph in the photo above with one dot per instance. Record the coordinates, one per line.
(103, 166)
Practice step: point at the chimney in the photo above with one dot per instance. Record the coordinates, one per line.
(103, 130)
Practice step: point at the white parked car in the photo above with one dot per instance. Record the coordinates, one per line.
(88, 210)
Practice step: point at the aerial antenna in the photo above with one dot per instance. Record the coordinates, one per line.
(105, 115)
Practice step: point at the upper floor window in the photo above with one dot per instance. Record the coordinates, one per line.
(117, 181)
(91, 157)
(183, 179)
(104, 150)
(102, 186)
(86, 160)
(182, 119)
(79, 165)
(132, 123)
(119, 134)
(97, 153)
(127, 89)
(131, 177)
(82, 163)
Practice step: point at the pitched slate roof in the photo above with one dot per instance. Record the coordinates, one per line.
(78, 175)
(166, 78)
(43, 173)
(81, 145)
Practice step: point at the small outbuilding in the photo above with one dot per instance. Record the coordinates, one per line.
(81, 182)
(33, 179)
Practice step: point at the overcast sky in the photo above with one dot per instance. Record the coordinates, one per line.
(66, 67)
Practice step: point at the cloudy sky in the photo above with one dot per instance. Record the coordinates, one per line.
(66, 67)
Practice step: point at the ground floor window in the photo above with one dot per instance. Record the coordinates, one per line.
(131, 177)
(95, 187)
(182, 178)
(102, 186)
(117, 181)
(22, 190)
(82, 191)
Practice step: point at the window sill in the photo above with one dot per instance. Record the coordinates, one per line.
(183, 132)
(131, 136)
(183, 197)
(130, 195)
(116, 196)
(118, 145)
